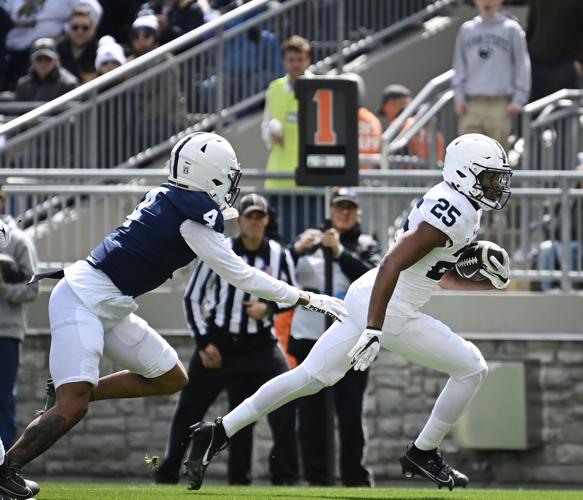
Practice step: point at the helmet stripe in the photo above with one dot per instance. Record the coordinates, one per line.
(177, 155)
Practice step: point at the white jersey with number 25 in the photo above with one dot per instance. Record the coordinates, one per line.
(452, 213)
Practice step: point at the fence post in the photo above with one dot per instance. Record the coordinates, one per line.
(340, 29)
(90, 137)
(221, 74)
(526, 134)
(565, 222)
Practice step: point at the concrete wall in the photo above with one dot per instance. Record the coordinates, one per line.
(116, 435)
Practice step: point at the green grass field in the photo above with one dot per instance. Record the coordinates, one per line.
(120, 491)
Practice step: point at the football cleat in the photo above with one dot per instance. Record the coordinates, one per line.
(13, 485)
(208, 440)
(430, 464)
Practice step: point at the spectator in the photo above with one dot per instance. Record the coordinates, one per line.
(175, 17)
(79, 48)
(279, 128)
(33, 20)
(353, 255)
(158, 103)
(550, 251)
(45, 80)
(369, 126)
(492, 72)
(554, 33)
(118, 16)
(110, 55)
(145, 34)
(236, 350)
(14, 293)
(6, 25)
(395, 99)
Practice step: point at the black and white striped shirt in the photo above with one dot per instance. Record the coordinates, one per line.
(213, 305)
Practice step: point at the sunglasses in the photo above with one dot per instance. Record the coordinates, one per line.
(80, 27)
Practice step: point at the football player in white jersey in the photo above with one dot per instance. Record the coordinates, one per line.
(476, 178)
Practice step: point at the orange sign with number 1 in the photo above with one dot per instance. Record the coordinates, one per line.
(325, 135)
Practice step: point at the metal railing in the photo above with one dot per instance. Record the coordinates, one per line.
(213, 74)
(542, 227)
(553, 131)
(415, 139)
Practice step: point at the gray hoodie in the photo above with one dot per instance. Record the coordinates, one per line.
(14, 296)
(491, 59)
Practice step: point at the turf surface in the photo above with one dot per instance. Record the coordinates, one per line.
(121, 491)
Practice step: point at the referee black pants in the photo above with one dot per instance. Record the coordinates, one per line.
(247, 364)
(346, 398)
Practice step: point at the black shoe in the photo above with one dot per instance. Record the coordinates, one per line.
(13, 485)
(51, 397)
(208, 439)
(163, 477)
(430, 464)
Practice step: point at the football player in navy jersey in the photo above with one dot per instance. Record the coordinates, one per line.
(476, 178)
(91, 310)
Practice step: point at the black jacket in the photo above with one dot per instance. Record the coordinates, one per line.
(83, 68)
(31, 88)
(361, 253)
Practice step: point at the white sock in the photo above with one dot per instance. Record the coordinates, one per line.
(2, 453)
(269, 397)
(450, 404)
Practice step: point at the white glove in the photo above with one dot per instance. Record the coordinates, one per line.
(4, 235)
(324, 304)
(366, 349)
(497, 272)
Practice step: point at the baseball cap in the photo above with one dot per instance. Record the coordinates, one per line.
(344, 194)
(393, 91)
(253, 203)
(44, 47)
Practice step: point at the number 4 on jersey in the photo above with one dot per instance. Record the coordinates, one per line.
(211, 217)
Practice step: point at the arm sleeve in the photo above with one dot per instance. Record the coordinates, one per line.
(25, 257)
(210, 246)
(521, 68)
(193, 303)
(459, 67)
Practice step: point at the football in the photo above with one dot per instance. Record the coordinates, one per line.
(10, 272)
(473, 258)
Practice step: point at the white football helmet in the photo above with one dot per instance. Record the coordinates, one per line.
(477, 166)
(206, 162)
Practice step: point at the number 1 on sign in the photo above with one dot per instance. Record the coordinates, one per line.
(325, 135)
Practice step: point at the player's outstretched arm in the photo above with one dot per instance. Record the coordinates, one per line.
(408, 250)
(211, 247)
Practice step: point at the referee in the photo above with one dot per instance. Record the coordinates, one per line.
(237, 351)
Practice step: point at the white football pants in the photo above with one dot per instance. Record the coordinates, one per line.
(422, 340)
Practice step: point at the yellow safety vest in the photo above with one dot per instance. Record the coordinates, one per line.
(283, 106)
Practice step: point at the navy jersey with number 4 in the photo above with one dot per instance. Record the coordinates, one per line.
(147, 248)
